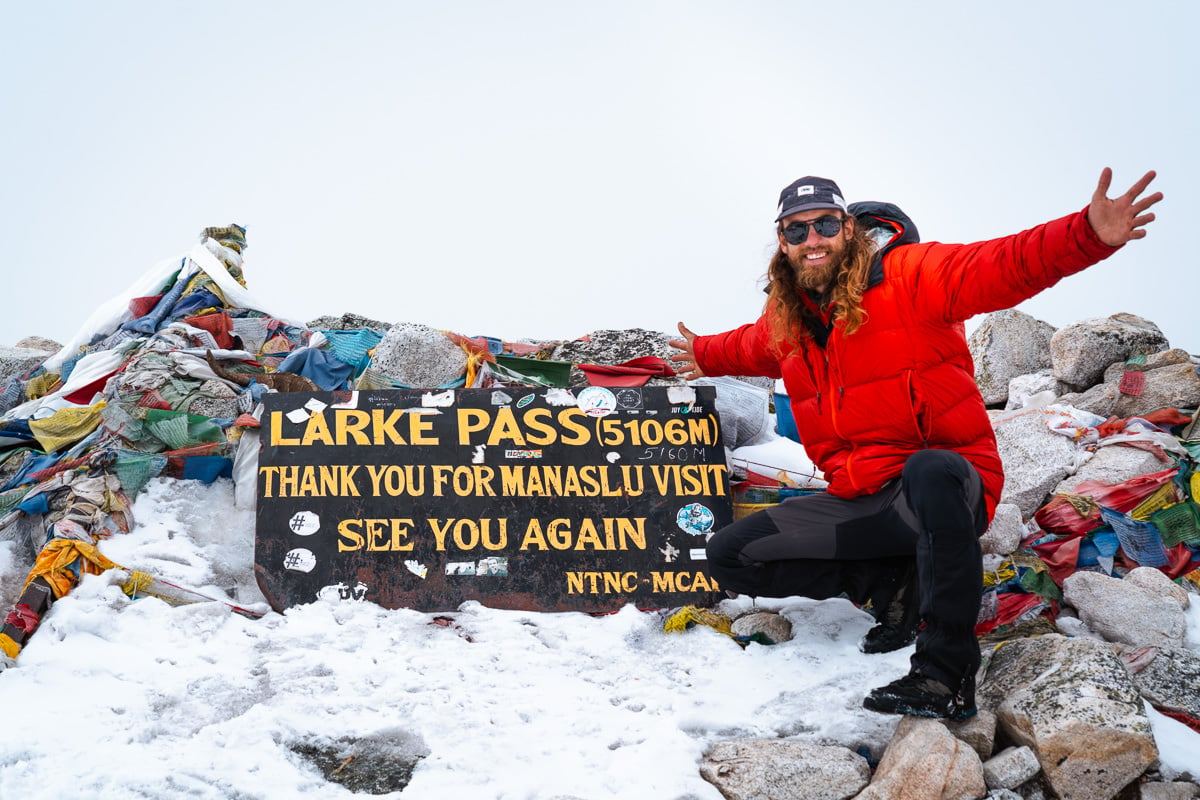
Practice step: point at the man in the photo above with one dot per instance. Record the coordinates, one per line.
(869, 341)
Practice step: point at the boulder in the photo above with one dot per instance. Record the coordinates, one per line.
(1170, 679)
(1151, 361)
(925, 762)
(1081, 352)
(770, 626)
(1011, 767)
(348, 322)
(16, 361)
(1007, 344)
(1100, 399)
(1004, 535)
(419, 356)
(784, 769)
(1168, 790)
(1024, 387)
(613, 347)
(977, 730)
(1035, 458)
(1111, 465)
(1174, 386)
(1156, 582)
(39, 343)
(1073, 703)
(1139, 610)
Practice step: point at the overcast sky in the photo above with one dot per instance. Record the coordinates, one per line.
(545, 169)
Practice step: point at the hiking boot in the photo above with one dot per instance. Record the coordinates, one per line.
(898, 622)
(885, 637)
(923, 697)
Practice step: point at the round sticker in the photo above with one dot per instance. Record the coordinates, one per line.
(300, 560)
(596, 401)
(304, 523)
(694, 519)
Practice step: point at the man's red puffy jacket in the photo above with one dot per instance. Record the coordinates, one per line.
(904, 381)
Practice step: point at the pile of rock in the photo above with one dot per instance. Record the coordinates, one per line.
(1058, 717)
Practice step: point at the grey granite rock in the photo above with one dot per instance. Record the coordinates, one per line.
(1024, 387)
(924, 761)
(1100, 399)
(1165, 358)
(1004, 534)
(1035, 458)
(1112, 464)
(1073, 703)
(1168, 790)
(16, 361)
(978, 730)
(1011, 767)
(1082, 351)
(784, 769)
(347, 322)
(1139, 611)
(419, 356)
(1007, 344)
(1173, 386)
(39, 343)
(769, 624)
(1170, 680)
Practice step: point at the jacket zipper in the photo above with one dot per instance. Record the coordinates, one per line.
(833, 374)
(912, 401)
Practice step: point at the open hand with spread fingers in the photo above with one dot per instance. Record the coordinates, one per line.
(1120, 219)
(686, 367)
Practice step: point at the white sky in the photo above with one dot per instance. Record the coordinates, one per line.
(543, 169)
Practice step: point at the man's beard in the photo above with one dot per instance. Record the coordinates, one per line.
(813, 277)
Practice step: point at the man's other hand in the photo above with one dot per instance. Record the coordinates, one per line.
(1120, 219)
(686, 367)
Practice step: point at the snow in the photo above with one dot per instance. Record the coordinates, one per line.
(137, 699)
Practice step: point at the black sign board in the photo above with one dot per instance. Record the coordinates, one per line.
(542, 499)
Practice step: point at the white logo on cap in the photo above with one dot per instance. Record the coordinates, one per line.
(803, 190)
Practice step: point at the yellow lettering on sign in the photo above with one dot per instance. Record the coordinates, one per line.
(605, 534)
(471, 420)
(355, 427)
(567, 418)
(506, 429)
(602, 582)
(688, 480)
(467, 534)
(419, 428)
(277, 437)
(317, 429)
(351, 532)
(349, 423)
(682, 582)
(378, 535)
(540, 433)
(329, 480)
(394, 480)
(383, 428)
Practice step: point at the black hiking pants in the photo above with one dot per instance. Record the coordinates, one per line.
(821, 546)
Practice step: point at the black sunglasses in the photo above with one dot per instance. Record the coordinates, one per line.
(797, 232)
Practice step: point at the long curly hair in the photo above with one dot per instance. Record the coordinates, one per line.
(787, 311)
